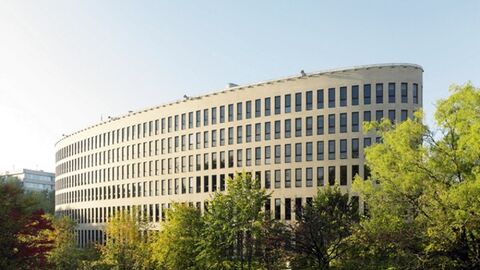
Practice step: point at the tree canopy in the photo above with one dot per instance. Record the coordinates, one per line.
(423, 193)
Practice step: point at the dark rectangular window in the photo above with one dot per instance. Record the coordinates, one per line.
(298, 127)
(415, 93)
(331, 175)
(355, 171)
(354, 95)
(230, 135)
(267, 107)
(320, 101)
(379, 93)
(343, 96)
(309, 149)
(198, 113)
(288, 178)
(268, 208)
(309, 177)
(298, 152)
(248, 109)
(239, 157)
(258, 107)
(391, 115)
(298, 208)
(298, 177)
(391, 93)
(230, 158)
(230, 112)
(239, 134)
(248, 133)
(320, 150)
(379, 115)
(320, 176)
(309, 126)
(331, 124)
(343, 122)
(214, 116)
(278, 105)
(355, 122)
(190, 120)
(277, 129)
(199, 184)
(367, 116)
(205, 183)
(367, 142)
(367, 94)
(278, 154)
(404, 115)
(267, 131)
(268, 179)
(277, 179)
(331, 149)
(184, 123)
(355, 148)
(288, 209)
(205, 117)
(404, 92)
(214, 183)
(320, 125)
(258, 132)
(258, 155)
(343, 175)
(288, 103)
(343, 149)
(222, 137)
(331, 97)
(268, 156)
(222, 114)
(288, 128)
(309, 100)
(239, 111)
(298, 102)
(288, 153)
(277, 209)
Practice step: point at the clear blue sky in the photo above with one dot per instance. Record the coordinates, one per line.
(64, 64)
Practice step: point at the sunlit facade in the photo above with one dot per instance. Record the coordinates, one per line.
(295, 134)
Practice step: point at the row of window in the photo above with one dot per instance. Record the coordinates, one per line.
(287, 178)
(195, 119)
(242, 134)
(296, 152)
(283, 208)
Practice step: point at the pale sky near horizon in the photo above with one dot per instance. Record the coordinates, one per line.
(65, 64)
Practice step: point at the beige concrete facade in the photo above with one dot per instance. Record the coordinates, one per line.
(149, 158)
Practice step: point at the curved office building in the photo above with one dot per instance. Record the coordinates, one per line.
(295, 134)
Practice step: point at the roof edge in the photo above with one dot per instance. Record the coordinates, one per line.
(316, 73)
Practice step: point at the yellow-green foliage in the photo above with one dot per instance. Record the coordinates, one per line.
(423, 196)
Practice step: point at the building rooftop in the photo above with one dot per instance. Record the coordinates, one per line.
(235, 87)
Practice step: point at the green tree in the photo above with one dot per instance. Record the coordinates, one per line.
(175, 247)
(422, 196)
(23, 228)
(65, 254)
(44, 200)
(233, 226)
(127, 246)
(322, 230)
